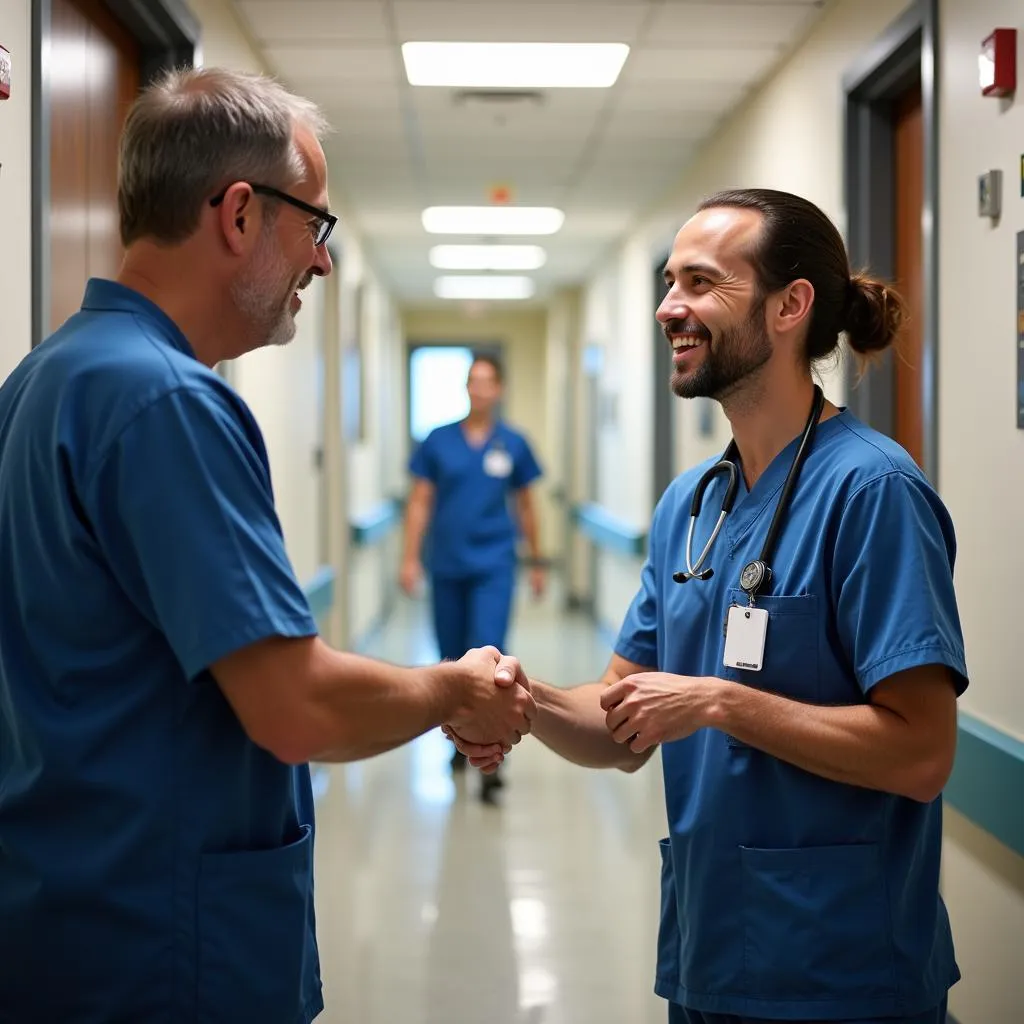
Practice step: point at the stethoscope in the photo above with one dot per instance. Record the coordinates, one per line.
(756, 575)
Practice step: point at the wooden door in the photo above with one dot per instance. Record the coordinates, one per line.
(908, 154)
(94, 78)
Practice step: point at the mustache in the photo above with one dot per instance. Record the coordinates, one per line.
(677, 326)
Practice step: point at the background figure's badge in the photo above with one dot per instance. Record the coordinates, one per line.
(497, 462)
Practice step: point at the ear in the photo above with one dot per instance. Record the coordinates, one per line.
(790, 309)
(238, 216)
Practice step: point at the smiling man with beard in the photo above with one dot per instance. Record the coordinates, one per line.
(801, 675)
(162, 684)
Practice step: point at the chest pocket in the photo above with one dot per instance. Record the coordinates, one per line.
(790, 666)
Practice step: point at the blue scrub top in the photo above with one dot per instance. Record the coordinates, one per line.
(155, 864)
(785, 895)
(472, 531)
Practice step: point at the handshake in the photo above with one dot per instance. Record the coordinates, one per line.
(494, 707)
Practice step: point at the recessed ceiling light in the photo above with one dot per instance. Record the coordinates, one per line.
(487, 257)
(514, 65)
(492, 220)
(486, 286)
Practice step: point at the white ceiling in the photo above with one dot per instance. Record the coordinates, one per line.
(602, 155)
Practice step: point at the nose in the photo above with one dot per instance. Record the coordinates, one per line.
(672, 308)
(323, 264)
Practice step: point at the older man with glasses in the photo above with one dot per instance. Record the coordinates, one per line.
(162, 685)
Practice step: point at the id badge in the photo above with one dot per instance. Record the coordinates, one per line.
(497, 463)
(745, 632)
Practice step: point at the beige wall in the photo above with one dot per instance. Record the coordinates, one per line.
(981, 452)
(16, 188)
(523, 335)
(790, 136)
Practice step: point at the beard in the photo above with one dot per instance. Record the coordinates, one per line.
(739, 352)
(263, 295)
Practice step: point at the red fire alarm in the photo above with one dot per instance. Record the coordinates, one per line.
(5, 74)
(997, 63)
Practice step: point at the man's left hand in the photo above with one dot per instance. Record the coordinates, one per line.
(538, 580)
(649, 708)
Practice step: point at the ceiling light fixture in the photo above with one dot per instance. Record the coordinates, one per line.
(492, 220)
(487, 257)
(485, 286)
(514, 65)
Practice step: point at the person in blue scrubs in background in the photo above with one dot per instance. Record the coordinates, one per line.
(800, 878)
(466, 476)
(162, 684)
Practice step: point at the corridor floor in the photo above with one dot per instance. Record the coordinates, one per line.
(434, 908)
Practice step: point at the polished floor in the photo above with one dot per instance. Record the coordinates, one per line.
(434, 908)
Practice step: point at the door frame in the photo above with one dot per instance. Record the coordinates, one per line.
(906, 49)
(168, 36)
(663, 469)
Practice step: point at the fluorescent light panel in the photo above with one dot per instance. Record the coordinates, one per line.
(492, 220)
(514, 65)
(485, 286)
(487, 257)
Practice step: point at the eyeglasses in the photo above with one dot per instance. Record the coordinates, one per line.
(325, 220)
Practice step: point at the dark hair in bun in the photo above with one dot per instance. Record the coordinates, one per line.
(799, 241)
(875, 315)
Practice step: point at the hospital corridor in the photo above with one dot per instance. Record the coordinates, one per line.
(510, 512)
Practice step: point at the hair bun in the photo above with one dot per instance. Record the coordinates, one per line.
(875, 314)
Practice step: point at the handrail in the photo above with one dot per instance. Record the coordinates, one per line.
(608, 531)
(375, 524)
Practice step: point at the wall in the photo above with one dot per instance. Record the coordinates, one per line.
(376, 458)
(523, 336)
(789, 135)
(983, 882)
(16, 188)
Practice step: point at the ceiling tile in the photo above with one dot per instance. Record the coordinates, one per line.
(327, 64)
(707, 66)
(581, 22)
(315, 21)
(727, 25)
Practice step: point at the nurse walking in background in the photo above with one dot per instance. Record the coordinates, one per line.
(464, 475)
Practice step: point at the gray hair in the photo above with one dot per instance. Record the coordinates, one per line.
(193, 132)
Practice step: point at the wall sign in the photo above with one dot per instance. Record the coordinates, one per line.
(5, 73)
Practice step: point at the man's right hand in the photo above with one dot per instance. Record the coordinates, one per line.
(410, 576)
(492, 710)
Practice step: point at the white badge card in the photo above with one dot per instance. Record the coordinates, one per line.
(497, 462)
(745, 632)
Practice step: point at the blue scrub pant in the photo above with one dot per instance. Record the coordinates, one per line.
(680, 1015)
(472, 611)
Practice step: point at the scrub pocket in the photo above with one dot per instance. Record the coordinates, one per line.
(816, 924)
(790, 664)
(252, 925)
(668, 928)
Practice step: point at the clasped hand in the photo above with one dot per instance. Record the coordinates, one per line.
(492, 718)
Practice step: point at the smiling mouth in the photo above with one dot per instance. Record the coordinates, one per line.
(682, 342)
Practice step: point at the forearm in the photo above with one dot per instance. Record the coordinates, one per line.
(531, 533)
(415, 526)
(572, 723)
(360, 707)
(860, 745)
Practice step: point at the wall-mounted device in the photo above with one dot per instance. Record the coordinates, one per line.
(1020, 330)
(997, 63)
(990, 194)
(5, 74)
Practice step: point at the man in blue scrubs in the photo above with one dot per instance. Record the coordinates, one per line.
(807, 718)
(466, 474)
(162, 686)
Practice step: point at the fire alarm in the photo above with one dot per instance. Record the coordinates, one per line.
(5, 74)
(997, 63)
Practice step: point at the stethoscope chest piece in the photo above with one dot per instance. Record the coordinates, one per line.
(755, 576)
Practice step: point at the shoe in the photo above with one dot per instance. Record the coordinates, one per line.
(489, 788)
